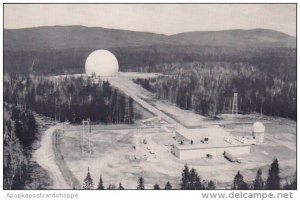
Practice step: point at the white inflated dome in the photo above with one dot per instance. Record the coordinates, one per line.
(102, 63)
(258, 127)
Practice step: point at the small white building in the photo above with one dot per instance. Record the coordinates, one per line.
(258, 132)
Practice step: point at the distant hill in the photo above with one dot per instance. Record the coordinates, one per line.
(252, 37)
(66, 37)
(64, 49)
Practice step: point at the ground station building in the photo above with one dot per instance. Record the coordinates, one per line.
(206, 142)
(214, 141)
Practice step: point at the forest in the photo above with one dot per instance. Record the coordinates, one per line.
(207, 88)
(62, 99)
(146, 58)
(201, 78)
(68, 99)
(19, 132)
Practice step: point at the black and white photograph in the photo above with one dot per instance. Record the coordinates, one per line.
(149, 96)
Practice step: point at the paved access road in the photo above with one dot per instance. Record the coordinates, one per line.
(128, 87)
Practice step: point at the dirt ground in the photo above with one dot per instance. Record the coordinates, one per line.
(109, 149)
(114, 157)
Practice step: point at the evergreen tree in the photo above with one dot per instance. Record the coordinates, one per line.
(292, 185)
(211, 185)
(156, 187)
(88, 181)
(273, 181)
(199, 185)
(131, 111)
(111, 187)
(258, 183)
(18, 131)
(100, 184)
(121, 186)
(140, 185)
(194, 181)
(190, 180)
(185, 177)
(239, 183)
(168, 186)
(294, 182)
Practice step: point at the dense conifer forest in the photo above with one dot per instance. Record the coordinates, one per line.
(203, 78)
(207, 87)
(68, 99)
(19, 132)
(62, 99)
(146, 58)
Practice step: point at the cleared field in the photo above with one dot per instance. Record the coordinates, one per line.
(113, 150)
(114, 157)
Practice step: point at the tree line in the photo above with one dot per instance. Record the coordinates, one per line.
(65, 99)
(147, 58)
(69, 98)
(207, 88)
(190, 180)
(273, 182)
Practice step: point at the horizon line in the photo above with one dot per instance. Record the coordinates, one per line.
(140, 31)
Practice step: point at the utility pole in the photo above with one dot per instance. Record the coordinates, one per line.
(81, 138)
(235, 104)
(137, 139)
(89, 131)
(63, 127)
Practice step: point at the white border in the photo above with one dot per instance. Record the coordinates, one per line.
(127, 194)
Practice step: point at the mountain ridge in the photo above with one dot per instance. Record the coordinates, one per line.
(77, 36)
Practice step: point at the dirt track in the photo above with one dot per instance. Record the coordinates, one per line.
(45, 157)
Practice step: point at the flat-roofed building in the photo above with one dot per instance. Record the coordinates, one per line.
(207, 142)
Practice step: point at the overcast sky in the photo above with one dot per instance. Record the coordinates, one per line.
(157, 18)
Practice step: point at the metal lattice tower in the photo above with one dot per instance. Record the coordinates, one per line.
(86, 125)
(82, 139)
(235, 104)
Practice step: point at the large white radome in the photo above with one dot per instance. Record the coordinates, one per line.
(102, 63)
